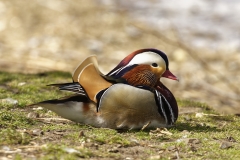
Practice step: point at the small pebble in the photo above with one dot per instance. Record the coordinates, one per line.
(6, 148)
(37, 132)
(33, 115)
(199, 115)
(71, 150)
(226, 145)
(113, 150)
(9, 101)
(21, 83)
(172, 148)
(134, 141)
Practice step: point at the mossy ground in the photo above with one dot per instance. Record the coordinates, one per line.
(200, 133)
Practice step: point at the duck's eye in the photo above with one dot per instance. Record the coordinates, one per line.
(154, 64)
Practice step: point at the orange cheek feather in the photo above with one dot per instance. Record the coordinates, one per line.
(143, 75)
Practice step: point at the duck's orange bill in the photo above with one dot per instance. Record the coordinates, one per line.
(168, 74)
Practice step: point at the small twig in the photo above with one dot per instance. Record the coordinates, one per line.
(53, 119)
(146, 125)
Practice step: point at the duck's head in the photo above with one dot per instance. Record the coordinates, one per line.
(143, 67)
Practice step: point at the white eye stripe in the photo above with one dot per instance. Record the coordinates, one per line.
(148, 58)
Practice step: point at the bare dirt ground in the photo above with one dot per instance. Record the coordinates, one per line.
(43, 36)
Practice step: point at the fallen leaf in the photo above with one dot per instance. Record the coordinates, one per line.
(160, 132)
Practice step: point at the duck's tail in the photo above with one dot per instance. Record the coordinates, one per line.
(76, 108)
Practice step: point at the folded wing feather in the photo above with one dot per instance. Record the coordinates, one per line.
(90, 78)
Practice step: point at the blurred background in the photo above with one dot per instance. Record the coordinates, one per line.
(201, 39)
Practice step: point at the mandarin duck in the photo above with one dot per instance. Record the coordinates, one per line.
(129, 97)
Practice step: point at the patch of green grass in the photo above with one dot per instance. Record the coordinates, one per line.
(52, 127)
(208, 127)
(188, 103)
(142, 135)
(64, 152)
(108, 136)
(14, 119)
(12, 136)
(34, 88)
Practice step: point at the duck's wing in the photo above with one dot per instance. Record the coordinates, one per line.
(72, 87)
(88, 75)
